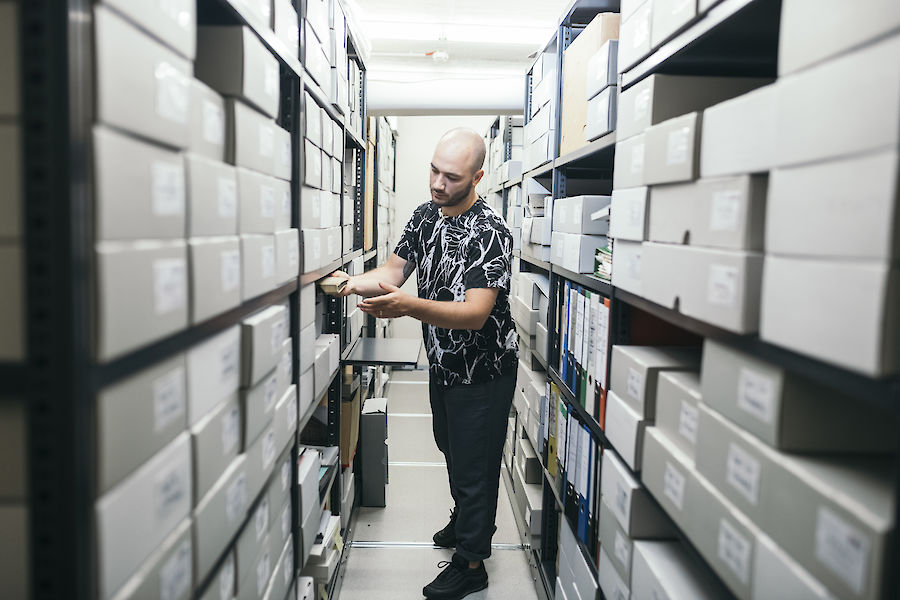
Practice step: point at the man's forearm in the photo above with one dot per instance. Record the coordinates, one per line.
(447, 315)
(366, 284)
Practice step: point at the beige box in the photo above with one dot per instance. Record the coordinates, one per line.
(624, 429)
(845, 208)
(212, 197)
(721, 212)
(841, 29)
(14, 446)
(678, 411)
(626, 270)
(250, 138)
(161, 491)
(635, 373)
(615, 540)
(580, 251)
(213, 372)
(673, 150)
(846, 121)
(11, 217)
(601, 70)
(142, 294)
(601, 114)
(287, 254)
(9, 60)
(249, 72)
(146, 90)
(312, 165)
(629, 163)
(628, 214)
(634, 37)
(286, 25)
(262, 338)
(258, 266)
(215, 265)
(666, 570)
(739, 134)
(219, 515)
(787, 411)
(346, 239)
(311, 241)
(167, 573)
(863, 339)
(775, 574)
(669, 17)
(574, 215)
(638, 515)
(136, 418)
(207, 122)
(173, 23)
(139, 189)
(670, 477)
(312, 120)
(659, 98)
(215, 441)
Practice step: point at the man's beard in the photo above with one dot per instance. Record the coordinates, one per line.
(454, 199)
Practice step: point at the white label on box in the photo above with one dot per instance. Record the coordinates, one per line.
(168, 399)
(842, 548)
(227, 195)
(285, 475)
(292, 415)
(229, 360)
(266, 140)
(169, 284)
(271, 79)
(276, 338)
(635, 384)
(231, 269)
(268, 449)
(172, 93)
(635, 216)
(263, 570)
(637, 159)
(722, 285)
(236, 499)
(622, 551)
(169, 491)
(673, 485)
(175, 573)
(167, 189)
(286, 203)
(687, 422)
(286, 521)
(677, 153)
(268, 261)
(267, 201)
(226, 578)
(621, 503)
(756, 395)
(641, 104)
(269, 395)
(286, 152)
(734, 551)
(742, 473)
(231, 430)
(261, 518)
(725, 212)
(213, 123)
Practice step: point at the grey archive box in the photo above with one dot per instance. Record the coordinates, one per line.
(374, 456)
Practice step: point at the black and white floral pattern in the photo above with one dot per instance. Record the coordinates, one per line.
(451, 255)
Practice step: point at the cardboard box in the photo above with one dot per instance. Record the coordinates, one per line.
(726, 212)
(307, 347)
(372, 438)
(261, 201)
(543, 122)
(331, 247)
(629, 7)
(793, 315)
(327, 134)
(160, 490)
(252, 72)
(207, 137)
(287, 255)
(250, 138)
(629, 162)
(312, 215)
(673, 150)
(576, 59)
(523, 315)
(669, 17)
(350, 428)
(626, 270)
(153, 401)
(215, 442)
(678, 411)
(846, 208)
(739, 134)
(146, 90)
(666, 570)
(262, 338)
(258, 407)
(602, 70)
(253, 583)
(139, 189)
(215, 267)
(635, 37)
(212, 197)
(613, 538)
(635, 373)
(9, 60)
(658, 98)
(286, 25)
(283, 572)
(312, 120)
(261, 457)
(213, 372)
(611, 582)
(11, 215)
(601, 114)
(252, 540)
(628, 214)
(775, 572)
(638, 515)
(528, 463)
(845, 121)
(669, 476)
(336, 173)
(312, 165)
(168, 572)
(258, 266)
(574, 215)
(842, 29)
(142, 294)
(543, 93)
(318, 17)
(283, 159)
(579, 251)
(308, 483)
(624, 429)
(541, 343)
(787, 411)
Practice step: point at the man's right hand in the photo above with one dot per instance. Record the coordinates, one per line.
(350, 288)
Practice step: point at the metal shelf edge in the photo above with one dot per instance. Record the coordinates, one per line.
(588, 419)
(591, 282)
(606, 141)
(538, 172)
(533, 261)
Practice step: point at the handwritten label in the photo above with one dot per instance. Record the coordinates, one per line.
(734, 551)
(268, 449)
(167, 189)
(635, 384)
(673, 486)
(678, 144)
(623, 510)
(271, 78)
(261, 518)
(637, 159)
(170, 490)
(622, 550)
(226, 578)
(725, 211)
(227, 197)
(236, 499)
(642, 105)
(267, 201)
(292, 415)
(168, 399)
(175, 573)
(263, 570)
(842, 548)
(722, 285)
(229, 358)
(756, 395)
(688, 420)
(169, 284)
(213, 118)
(231, 430)
(742, 473)
(285, 475)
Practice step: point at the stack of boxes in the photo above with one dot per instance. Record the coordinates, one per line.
(539, 144)
(317, 58)
(325, 555)
(340, 83)
(355, 121)
(521, 454)
(386, 194)
(579, 228)
(602, 91)
(537, 222)
(530, 306)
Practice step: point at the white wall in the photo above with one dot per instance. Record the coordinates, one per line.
(416, 139)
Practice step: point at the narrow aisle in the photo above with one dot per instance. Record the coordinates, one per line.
(392, 556)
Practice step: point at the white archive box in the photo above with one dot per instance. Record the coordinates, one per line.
(739, 134)
(311, 209)
(307, 304)
(287, 255)
(312, 165)
(262, 339)
(219, 515)
(336, 173)
(142, 294)
(213, 372)
(670, 16)
(252, 540)
(719, 212)
(146, 90)
(775, 573)
(161, 490)
(678, 410)
(312, 120)
(251, 73)
(601, 69)
(611, 583)
(638, 515)
(261, 199)
(624, 428)
(669, 475)
(635, 372)
(139, 188)
(222, 580)
(215, 442)
(628, 215)
(258, 407)
(249, 138)
(207, 122)
(664, 569)
(626, 267)
(307, 347)
(311, 242)
(283, 159)
(601, 113)
(634, 36)
(611, 537)
(629, 163)
(153, 403)
(286, 25)
(215, 275)
(672, 150)
(212, 197)
(575, 215)
(167, 573)
(258, 266)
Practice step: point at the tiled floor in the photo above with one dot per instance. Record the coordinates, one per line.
(392, 557)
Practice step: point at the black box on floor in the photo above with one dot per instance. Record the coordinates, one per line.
(373, 451)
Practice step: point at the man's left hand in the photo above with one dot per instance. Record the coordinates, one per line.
(393, 303)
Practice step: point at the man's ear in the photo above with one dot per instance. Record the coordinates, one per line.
(478, 175)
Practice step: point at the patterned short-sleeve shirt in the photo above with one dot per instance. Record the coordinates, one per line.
(452, 255)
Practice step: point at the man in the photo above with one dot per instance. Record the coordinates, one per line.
(461, 250)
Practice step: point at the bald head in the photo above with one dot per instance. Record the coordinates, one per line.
(464, 144)
(456, 170)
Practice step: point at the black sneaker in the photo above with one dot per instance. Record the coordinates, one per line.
(446, 537)
(456, 581)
